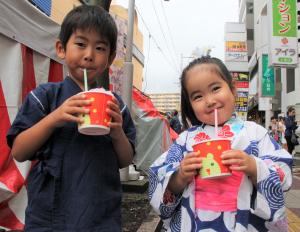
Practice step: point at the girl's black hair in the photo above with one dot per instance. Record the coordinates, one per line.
(187, 112)
(87, 17)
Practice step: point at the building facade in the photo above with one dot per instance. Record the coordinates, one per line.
(255, 15)
(166, 102)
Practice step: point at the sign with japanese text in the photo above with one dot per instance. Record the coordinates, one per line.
(240, 76)
(236, 51)
(236, 46)
(241, 80)
(241, 83)
(268, 79)
(241, 101)
(283, 38)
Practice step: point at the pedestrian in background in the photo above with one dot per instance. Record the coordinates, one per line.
(291, 126)
(281, 129)
(175, 123)
(274, 129)
(244, 201)
(75, 185)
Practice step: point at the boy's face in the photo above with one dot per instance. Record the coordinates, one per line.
(85, 49)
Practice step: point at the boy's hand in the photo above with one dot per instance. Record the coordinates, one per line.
(189, 167)
(240, 161)
(70, 109)
(117, 120)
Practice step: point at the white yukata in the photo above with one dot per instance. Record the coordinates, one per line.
(258, 208)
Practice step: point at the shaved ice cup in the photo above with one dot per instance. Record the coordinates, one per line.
(96, 121)
(211, 151)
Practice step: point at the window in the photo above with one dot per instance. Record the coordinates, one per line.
(43, 5)
(290, 80)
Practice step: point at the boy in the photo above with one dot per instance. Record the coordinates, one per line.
(75, 185)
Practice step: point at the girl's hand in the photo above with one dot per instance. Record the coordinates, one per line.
(116, 123)
(238, 160)
(70, 109)
(189, 167)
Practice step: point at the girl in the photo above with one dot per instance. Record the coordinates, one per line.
(252, 198)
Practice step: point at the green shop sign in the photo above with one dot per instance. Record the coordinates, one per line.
(284, 18)
(268, 79)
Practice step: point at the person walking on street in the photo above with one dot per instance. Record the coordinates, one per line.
(281, 129)
(175, 123)
(75, 184)
(274, 129)
(291, 126)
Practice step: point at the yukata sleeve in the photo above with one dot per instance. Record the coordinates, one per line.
(274, 177)
(162, 200)
(33, 109)
(128, 125)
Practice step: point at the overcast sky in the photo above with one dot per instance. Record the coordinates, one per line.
(177, 28)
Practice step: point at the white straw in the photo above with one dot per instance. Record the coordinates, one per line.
(216, 123)
(85, 80)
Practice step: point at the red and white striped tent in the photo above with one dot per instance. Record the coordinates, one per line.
(27, 59)
(27, 39)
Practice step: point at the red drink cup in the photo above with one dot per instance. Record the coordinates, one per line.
(211, 150)
(96, 121)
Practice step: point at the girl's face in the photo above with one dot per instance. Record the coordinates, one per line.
(85, 50)
(207, 91)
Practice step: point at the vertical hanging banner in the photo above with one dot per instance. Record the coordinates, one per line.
(268, 79)
(241, 82)
(116, 71)
(283, 37)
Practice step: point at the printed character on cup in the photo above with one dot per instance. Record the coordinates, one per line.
(211, 151)
(221, 173)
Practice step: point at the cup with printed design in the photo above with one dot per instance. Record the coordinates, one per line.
(211, 151)
(96, 121)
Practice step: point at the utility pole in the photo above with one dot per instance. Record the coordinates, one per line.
(128, 66)
(103, 79)
(103, 3)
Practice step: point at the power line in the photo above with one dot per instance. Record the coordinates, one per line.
(167, 22)
(146, 66)
(154, 40)
(163, 33)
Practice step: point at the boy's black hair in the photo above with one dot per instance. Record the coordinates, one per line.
(187, 112)
(273, 117)
(87, 17)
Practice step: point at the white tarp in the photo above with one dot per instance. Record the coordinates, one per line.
(23, 22)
